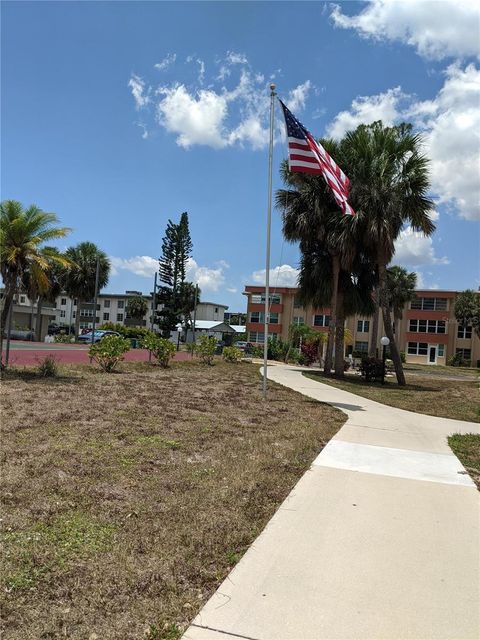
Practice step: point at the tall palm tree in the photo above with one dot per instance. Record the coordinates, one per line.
(389, 185)
(79, 281)
(401, 287)
(22, 234)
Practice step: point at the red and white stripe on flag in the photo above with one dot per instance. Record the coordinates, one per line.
(306, 155)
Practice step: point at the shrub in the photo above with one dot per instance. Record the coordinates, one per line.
(48, 367)
(62, 337)
(191, 347)
(232, 354)
(109, 351)
(127, 332)
(162, 349)
(403, 357)
(458, 361)
(257, 352)
(206, 348)
(309, 353)
(372, 369)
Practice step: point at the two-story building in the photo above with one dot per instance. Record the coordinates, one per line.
(428, 331)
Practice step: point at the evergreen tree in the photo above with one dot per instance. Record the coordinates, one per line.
(176, 295)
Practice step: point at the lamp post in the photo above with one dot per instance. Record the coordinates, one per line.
(384, 342)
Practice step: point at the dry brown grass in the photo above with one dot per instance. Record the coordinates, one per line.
(128, 497)
(458, 399)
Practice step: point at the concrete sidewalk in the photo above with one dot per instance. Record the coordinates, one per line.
(379, 540)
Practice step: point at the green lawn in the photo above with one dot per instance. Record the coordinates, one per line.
(467, 448)
(433, 396)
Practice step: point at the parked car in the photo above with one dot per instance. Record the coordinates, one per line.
(86, 338)
(243, 346)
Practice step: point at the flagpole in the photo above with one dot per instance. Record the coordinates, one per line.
(267, 259)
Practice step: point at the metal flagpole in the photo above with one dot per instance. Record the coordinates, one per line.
(97, 277)
(267, 260)
(194, 316)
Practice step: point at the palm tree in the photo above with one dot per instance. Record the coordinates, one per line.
(79, 281)
(22, 234)
(389, 178)
(48, 290)
(401, 287)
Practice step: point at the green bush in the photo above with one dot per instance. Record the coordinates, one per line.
(126, 332)
(48, 367)
(162, 349)
(206, 349)
(232, 354)
(458, 361)
(62, 338)
(403, 357)
(191, 347)
(109, 351)
(257, 352)
(372, 369)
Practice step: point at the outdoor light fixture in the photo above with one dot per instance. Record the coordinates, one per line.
(384, 342)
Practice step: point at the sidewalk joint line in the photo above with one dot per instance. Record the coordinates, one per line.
(227, 633)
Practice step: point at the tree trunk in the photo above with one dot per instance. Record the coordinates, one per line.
(340, 338)
(333, 315)
(372, 351)
(387, 321)
(7, 302)
(38, 319)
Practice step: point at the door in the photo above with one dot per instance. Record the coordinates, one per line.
(432, 355)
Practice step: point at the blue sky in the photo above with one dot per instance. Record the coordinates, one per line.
(118, 116)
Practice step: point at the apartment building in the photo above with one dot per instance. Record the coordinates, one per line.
(428, 332)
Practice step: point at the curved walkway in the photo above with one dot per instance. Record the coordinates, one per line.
(379, 540)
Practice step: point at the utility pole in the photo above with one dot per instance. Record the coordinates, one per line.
(195, 315)
(97, 276)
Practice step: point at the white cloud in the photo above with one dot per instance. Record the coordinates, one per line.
(232, 290)
(207, 278)
(217, 116)
(414, 249)
(144, 266)
(196, 119)
(365, 110)
(166, 62)
(137, 85)
(450, 124)
(298, 96)
(436, 29)
(281, 276)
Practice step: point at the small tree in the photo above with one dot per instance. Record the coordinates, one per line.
(206, 348)
(232, 354)
(161, 348)
(109, 351)
(137, 307)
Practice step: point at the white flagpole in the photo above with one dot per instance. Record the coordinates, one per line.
(267, 260)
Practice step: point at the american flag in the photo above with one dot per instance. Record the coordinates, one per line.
(305, 155)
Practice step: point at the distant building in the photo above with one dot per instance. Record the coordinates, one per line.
(211, 311)
(428, 333)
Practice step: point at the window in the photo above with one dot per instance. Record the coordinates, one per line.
(361, 345)
(74, 302)
(119, 317)
(363, 326)
(63, 302)
(106, 304)
(429, 304)
(273, 317)
(62, 313)
(121, 304)
(417, 348)
(216, 309)
(441, 350)
(74, 314)
(106, 316)
(466, 354)
(296, 302)
(259, 316)
(427, 326)
(298, 320)
(86, 313)
(273, 298)
(256, 336)
(464, 332)
(321, 321)
(22, 299)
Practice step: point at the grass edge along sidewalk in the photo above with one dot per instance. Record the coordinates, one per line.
(128, 497)
(457, 399)
(466, 447)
